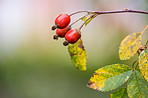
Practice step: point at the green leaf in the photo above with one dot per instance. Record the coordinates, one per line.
(130, 45)
(86, 17)
(143, 63)
(78, 55)
(110, 77)
(119, 93)
(137, 86)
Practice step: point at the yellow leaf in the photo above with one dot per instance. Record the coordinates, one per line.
(143, 64)
(110, 77)
(78, 55)
(130, 45)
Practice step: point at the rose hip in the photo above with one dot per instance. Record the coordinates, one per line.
(73, 35)
(61, 32)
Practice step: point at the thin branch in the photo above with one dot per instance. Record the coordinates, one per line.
(146, 43)
(78, 20)
(144, 29)
(133, 65)
(86, 21)
(108, 12)
(79, 12)
(121, 11)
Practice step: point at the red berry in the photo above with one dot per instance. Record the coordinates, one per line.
(62, 32)
(62, 21)
(73, 35)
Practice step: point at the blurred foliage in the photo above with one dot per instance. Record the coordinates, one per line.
(41, 73)
(35, 70)
(41, 68)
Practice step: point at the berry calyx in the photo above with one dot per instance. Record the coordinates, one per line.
(55, 37)
(62, 21)
(54, 27)
(65, 43)
(61, 32)
(73, 35)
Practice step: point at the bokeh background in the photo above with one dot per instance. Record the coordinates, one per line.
(33, 65)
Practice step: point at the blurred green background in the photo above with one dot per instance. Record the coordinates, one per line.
(33, 65)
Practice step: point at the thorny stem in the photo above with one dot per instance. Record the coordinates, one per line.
(86, 21)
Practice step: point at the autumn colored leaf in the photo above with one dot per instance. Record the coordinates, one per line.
(119, 93)
(85, 17)
(78, 55)
(137, 86)
(130, 45)
(143, 63)
(110, 77)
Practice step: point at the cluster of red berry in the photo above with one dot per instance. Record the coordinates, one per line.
(63, 29)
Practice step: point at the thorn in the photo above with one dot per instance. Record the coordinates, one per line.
(126, 9)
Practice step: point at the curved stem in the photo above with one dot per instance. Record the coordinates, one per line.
(133, 65)
(78, 20)
(107, 12)
(86, 21)
(79, 12)
(121, 11)
(136, 66)
(112, 12)
(144, 29)
(146, 43)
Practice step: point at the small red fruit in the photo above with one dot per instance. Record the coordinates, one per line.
(61, 32)
(73, 35)
(62, 21)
